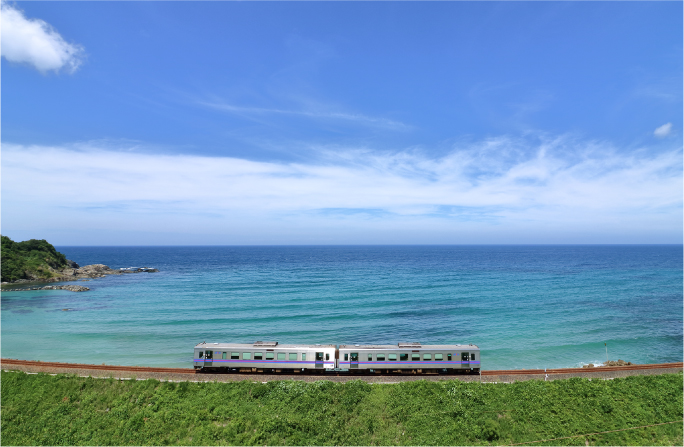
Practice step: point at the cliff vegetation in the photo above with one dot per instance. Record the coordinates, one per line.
(30, 260)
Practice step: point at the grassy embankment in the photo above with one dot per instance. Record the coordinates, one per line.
(67, 410)
(33, 259)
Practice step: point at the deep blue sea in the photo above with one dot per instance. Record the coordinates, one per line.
(524, 306)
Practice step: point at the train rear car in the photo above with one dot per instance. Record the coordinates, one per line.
(410, 357)
(263, 356)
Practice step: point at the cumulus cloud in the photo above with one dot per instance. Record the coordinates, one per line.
(489, 189)
(36, 43)
(663, 130)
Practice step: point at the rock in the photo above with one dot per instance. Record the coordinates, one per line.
(71, 264)
(81, 273)
(69, 287)
(619, 362)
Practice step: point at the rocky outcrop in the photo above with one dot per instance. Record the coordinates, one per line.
(80, 273)
(87, 271)
(69, 287)
(609, 363)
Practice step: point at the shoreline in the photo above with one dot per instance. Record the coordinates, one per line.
(85, 273)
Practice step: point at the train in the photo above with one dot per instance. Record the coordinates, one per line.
(272, 357)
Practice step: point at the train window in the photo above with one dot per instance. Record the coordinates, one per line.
(293, 356)
(427, 356)
(415, 357)
(304, 356)
(327, 356)
(403, 357)
(258, 356)
(472, 356)
(201, 354)
(281, 356)
(209, 355)
(380, 357)
(319, 356)
(370, 357)
(439, 357)
(449, 357)
(247, 356)
(346, 356)
(235, 355)
(464, 357)
(392, 357)
(269, 356)
(224, 355)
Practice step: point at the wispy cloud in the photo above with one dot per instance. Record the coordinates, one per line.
(663, 131)
(312, 114)
(492, 188)
(36, 43)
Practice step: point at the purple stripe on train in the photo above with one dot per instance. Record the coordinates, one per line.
(306, 362)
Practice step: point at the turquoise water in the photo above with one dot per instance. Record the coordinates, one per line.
(524, 306)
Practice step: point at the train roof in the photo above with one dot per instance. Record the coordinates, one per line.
(259, 345)
(410, 346)
(276, 345)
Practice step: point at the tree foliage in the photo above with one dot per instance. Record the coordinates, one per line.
(32, 259)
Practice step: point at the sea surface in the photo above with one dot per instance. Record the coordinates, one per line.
(524, 306)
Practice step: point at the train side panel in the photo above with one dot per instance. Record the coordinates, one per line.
(391, 357)
(233, 356)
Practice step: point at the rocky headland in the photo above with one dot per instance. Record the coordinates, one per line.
(74, 273)
(37, 261)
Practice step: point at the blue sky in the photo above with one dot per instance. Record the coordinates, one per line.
(145, 123)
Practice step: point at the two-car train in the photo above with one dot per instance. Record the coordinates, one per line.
(265, 356)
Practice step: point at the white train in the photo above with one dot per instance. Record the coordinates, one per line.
(267, 356)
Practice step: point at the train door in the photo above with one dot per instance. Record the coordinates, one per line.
(465, 360)
(354, 360)
(319, 360)
(208, 358)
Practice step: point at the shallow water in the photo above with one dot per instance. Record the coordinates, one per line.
(524, 306)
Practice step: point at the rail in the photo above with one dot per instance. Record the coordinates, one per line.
(149, 369)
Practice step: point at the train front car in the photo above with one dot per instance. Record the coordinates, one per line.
(410, 357)
(263, 356)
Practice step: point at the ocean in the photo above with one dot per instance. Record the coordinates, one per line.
(524, 306)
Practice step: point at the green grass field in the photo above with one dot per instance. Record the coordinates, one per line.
(66, 410)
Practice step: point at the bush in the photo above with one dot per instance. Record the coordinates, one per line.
(29, 259)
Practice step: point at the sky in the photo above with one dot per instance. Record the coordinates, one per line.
(252, 123)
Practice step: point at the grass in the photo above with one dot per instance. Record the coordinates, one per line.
(66, 410)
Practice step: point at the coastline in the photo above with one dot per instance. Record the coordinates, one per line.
(74, 273)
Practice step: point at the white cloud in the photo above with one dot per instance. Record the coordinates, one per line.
(663, 130)
(491, 191)
(35, 42)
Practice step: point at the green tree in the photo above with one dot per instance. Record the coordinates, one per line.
(29, 259)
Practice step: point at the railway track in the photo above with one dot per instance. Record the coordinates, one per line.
(147, 369)
(583, 370)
